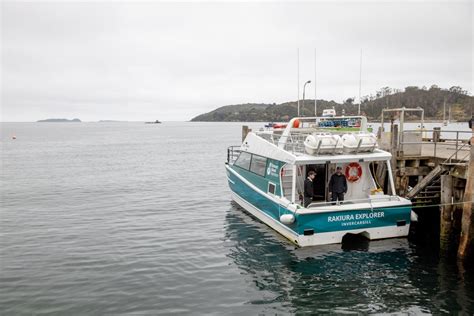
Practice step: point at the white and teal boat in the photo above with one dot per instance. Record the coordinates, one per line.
(266, 176)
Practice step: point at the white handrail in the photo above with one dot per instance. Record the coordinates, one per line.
(358, 201)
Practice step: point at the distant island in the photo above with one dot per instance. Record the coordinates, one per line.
(60, 120)
(432, 100)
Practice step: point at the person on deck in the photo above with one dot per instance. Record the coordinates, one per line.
(309, 188)
(338, 185)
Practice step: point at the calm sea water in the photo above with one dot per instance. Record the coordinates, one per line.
(124, 218)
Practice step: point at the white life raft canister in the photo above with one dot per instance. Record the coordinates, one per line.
(323, 143)
(360, 142)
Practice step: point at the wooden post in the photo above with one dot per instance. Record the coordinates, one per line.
(467, 224)
(245, 131)
(402, 179)
(446, 214)
(394, 150)
(436, 134)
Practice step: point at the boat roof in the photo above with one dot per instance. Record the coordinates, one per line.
(263, 145)
(376, 155)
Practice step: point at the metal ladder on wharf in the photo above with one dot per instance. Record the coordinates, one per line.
(430, 194)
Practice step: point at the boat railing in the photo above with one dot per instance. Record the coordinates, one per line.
(439, 143)
(294, 141)
(386, 198)
(233, 153)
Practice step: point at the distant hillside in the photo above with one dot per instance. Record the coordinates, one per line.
(60, 120)
(229, 113)
(431, 100)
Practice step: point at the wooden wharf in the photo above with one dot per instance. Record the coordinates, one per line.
(431, 170)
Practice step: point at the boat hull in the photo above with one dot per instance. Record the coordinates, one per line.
(319, 228)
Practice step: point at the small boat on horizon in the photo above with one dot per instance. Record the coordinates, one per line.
(155, 122)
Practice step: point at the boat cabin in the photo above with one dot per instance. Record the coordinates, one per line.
(307, 144)
(329, 112)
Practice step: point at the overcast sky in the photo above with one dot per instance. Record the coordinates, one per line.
(172, 61)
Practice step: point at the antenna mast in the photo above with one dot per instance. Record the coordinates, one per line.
(360, 81)
(298, 71)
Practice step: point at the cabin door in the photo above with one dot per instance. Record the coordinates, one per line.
(319, 182)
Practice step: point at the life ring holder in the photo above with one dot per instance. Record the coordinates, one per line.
(353, 172)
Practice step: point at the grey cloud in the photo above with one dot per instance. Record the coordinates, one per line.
(173, 61)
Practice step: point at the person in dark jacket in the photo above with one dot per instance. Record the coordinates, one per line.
(338, 185)
(309, 188)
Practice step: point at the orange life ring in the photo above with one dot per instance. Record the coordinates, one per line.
(296, 123)
(353, 172)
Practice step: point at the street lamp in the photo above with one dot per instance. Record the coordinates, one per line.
(304, 87)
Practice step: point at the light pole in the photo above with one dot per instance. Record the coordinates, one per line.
(315, 85)
(304, 87)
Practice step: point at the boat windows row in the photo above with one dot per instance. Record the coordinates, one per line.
(255, 163)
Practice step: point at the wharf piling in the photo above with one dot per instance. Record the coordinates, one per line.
(467, 225)
(446, 212)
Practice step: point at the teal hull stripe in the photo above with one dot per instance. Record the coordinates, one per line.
(322, 222)
(357, 219)
(261, 182)
(259, 200)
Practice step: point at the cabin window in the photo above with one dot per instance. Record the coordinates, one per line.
(258, 165)
(244, 160)
(271, 188)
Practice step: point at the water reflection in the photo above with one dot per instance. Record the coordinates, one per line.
(381, 276)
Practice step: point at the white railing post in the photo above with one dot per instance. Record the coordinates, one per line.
(293, 185)
(390, 177)
(457, 138)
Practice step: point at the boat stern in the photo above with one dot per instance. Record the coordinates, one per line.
(330, 227)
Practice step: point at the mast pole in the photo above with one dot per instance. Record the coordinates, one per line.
(360, 81)
(298, 75)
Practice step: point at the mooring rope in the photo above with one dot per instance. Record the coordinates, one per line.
(445, 204)
(427, 206)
